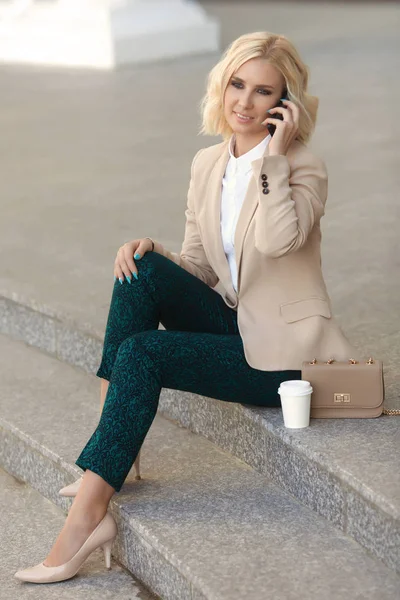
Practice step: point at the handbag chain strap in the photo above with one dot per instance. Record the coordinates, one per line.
(370, 361)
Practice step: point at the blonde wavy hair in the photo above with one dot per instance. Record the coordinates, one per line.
(280, 53)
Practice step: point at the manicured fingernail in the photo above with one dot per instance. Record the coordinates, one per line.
(121, 280)
(283, 99)
(135, 275)
(115, 279)
(269, 110)
(137, 256)
(128, 278)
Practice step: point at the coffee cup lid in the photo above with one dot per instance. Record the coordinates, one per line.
(299, 386)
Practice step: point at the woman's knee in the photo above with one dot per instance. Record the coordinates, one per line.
(135, 348)
(150, 260)
(146, 267)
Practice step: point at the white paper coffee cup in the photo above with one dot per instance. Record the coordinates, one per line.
(296, 403)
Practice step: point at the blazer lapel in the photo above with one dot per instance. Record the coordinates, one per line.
(250, 202)
(247, 211)
(213, 218)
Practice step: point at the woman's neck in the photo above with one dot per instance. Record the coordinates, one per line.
(245, 143)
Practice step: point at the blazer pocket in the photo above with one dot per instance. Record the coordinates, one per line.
(301, 309)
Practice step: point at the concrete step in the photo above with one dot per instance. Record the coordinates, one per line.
(29, 524)
(344, 469)
(202, 524)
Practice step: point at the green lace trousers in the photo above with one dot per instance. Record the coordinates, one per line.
(200, 351)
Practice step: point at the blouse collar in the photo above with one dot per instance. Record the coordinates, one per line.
(242, 164)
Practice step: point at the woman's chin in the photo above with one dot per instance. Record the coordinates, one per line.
(243, 128)
(246, 130)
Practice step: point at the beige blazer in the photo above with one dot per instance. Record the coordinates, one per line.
(283, 309)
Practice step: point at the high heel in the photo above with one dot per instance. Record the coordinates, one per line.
(71, 490)
(107, 553)
(103, 536)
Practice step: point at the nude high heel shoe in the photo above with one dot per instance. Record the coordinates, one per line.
(71, 490)
(103, 536)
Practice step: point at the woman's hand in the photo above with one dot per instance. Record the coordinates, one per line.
(286, 130)
(124, 263)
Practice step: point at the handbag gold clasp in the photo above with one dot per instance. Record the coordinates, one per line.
(341, 397)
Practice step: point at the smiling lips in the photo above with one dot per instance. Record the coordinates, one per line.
(243, 116)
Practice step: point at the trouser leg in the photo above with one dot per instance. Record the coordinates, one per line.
(164, 293)
(202, 362)
(208, 364)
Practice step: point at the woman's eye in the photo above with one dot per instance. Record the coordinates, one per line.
(238, 85)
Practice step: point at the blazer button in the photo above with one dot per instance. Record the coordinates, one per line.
(264, 177)
(265, 191)
(265, 184)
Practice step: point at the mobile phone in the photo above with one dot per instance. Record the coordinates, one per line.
(271, 126)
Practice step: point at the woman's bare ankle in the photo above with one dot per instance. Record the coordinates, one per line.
(87, 518)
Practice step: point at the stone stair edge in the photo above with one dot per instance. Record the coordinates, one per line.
(17, 301)
(170, 408)
(46, 461)
(33, 309)
(62, 320)
(59, 472)
(39, 448)
(148, 559)
(336, 470)
(65, 320)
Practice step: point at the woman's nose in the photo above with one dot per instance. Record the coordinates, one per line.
(245, 102)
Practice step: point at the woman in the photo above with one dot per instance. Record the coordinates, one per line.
(252, 223)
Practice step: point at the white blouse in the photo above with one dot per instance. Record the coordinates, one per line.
(234, 187)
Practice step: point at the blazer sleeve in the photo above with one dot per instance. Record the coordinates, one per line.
(294, 204)
(192, 256)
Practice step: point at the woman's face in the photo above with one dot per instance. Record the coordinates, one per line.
(254, 88)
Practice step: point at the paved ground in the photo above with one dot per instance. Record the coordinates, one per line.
(91, 160)
(27, 546)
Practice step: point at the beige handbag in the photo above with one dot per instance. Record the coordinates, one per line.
(349, 390)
